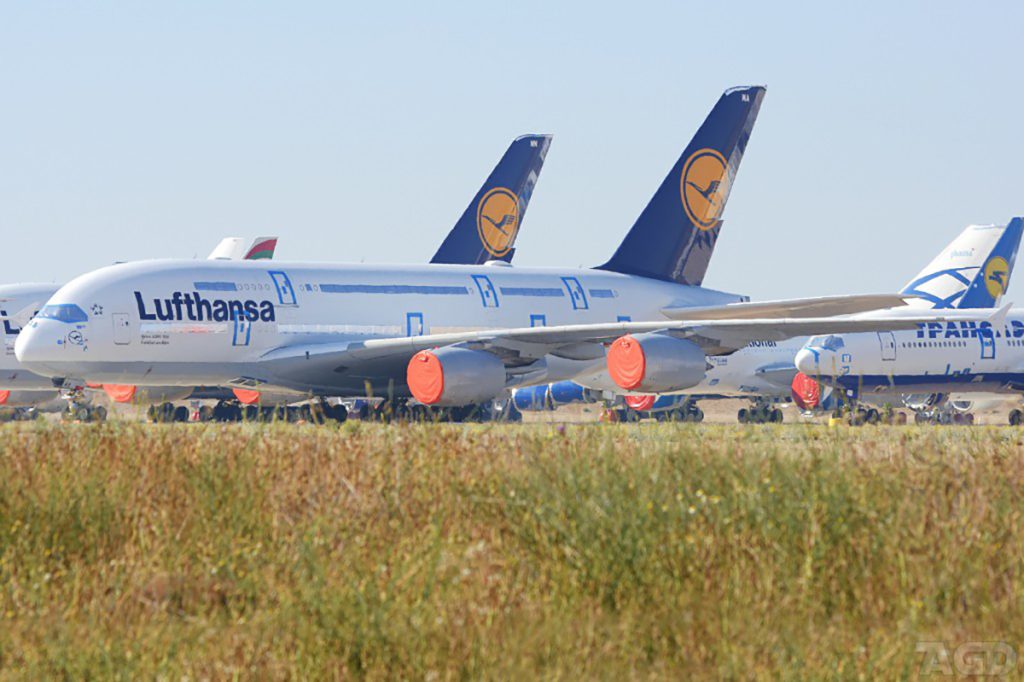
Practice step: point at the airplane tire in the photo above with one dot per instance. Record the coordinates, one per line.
(697, 415)
(1016, 417)
(969, 419)
(872, 416)
(205, 413)
(743, 416)
(99, 414)
(339, 413)
(180, 414)
(775, 416)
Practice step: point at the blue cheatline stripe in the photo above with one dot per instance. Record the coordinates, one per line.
(215, 286)
(602, 293)
(533, 291)
(391, 289)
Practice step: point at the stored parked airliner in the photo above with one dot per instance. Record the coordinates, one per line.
(947, 358)
(447, 335)
(19, 303)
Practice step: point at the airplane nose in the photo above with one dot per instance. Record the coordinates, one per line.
(808, 361)
(35, 347)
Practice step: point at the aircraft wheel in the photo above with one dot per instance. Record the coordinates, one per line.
(99, 414)
(697, 415)
(82, 413)
(872, 416)
(969, 419)
(743, 415)
(775, 416)
(180, 414)
(205, 413)
(339, 413)
(901, 418)
(920, 418)
(1016, 417)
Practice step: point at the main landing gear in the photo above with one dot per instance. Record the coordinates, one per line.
(761, 412)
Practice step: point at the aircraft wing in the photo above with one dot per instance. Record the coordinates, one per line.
(521, 346)
(821, 306)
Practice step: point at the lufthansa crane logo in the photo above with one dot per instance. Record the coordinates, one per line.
(704, 186)
(997, 272)
(497, 220)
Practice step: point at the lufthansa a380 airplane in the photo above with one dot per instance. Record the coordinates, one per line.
(445, 334)
(951, 358)
(20, 388)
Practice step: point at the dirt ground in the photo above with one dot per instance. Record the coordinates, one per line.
(724, 412)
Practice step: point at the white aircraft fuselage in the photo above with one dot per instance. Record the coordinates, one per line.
(212, 322)
(953, 357)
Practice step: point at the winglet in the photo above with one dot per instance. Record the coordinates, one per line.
(998, 318)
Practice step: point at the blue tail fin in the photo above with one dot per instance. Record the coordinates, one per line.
(674, 237)
(488, 228)
(993, 278)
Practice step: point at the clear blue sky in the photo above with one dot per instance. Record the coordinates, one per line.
(358, 132)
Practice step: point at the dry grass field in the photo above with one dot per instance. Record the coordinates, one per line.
(439, 552)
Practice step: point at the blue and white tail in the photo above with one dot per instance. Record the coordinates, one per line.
(674, 237)
(488, 228)
(973, 271)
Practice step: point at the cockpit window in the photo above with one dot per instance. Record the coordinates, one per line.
(63, 312)
(830, 342)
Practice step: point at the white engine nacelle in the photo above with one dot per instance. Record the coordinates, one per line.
(451, 377)
(655, 363)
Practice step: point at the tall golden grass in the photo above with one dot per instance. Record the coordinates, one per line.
(431, 551)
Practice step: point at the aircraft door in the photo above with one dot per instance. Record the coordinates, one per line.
(488, 294)
(122, 329)
(242, 331)
(576, 293)
(414, 324)
(887, 341)
(988, 343)
(283, 285)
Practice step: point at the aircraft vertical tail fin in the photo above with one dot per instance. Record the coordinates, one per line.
(674, 237)
(242, 248)
(967, 273)
(993, 278)
(488, 228)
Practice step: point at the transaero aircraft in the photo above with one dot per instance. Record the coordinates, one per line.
(19, 303)
(765, 371)
(952, 357)
(445, 334)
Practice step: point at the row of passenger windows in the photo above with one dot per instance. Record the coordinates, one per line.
(934, 344)
(952, 344)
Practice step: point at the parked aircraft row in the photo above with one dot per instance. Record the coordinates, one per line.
(467, 327)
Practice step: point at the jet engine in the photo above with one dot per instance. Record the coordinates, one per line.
(532, 399)
(655, 363)
(451, 377)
